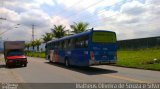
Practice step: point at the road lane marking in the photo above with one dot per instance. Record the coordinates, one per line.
(124, 78)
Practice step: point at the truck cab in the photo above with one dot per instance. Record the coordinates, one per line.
(16, 57)
(14, 53)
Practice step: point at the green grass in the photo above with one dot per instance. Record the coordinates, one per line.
(2, 60)
(36, 54)
(141, 58)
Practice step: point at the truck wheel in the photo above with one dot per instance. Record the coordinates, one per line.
(25, 65)
(8, 66)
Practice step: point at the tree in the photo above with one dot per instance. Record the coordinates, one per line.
(47, 37)
(58, 31)
(79, 27)
(33, 44)
(37, 43)
(27, 45)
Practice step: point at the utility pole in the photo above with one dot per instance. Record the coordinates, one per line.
(1, 18)
(2, 5)
(33, 32)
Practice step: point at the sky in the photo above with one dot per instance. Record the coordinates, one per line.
(130, 19)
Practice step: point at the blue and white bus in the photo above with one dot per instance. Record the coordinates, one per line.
(93, 47)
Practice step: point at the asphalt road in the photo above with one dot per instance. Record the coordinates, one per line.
(41, 71)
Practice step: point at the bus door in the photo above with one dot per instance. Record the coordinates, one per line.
(56, 55)
(52, 56)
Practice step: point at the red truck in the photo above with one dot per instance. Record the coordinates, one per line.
(14, 53)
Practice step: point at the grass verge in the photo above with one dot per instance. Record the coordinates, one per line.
(142, 58)
(36, 54)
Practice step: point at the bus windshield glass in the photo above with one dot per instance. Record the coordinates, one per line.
(104, 37)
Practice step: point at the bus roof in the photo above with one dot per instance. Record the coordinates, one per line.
(77, 35)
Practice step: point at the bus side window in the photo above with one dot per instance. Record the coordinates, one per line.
(66, 44)
(62, 45)
(56, 45)
(72, 43)
(49, 46)
(46, 46)
(52, 45)
(85, 41)
(82, 42)
(79, 42)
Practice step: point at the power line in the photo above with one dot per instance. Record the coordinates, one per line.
(101, 13)
(70, 6)
(8, 30)
(86, 8)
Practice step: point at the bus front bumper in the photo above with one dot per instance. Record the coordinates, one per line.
(101, 62)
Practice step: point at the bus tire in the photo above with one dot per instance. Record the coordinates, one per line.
(67, 64)
(49, 59)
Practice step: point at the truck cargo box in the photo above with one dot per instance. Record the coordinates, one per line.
(9, 45)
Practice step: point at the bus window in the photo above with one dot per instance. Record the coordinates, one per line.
(51, 45)
(82, 42)
(66, 44)
(79, 42)
(104, 37)
(72, 43)
(86, 41)
(56, 45)
(62, 45)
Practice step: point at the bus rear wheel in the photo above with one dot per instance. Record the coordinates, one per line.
(67, 64)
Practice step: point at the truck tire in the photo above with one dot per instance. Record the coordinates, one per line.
(25, 65)
(8, 66)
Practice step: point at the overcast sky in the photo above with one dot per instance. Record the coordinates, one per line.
(128, 18)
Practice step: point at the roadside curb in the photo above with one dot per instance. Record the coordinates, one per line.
(136, 68)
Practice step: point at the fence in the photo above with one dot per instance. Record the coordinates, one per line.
(139, 43)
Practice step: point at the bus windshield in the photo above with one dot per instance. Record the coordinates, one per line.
(104, 37)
